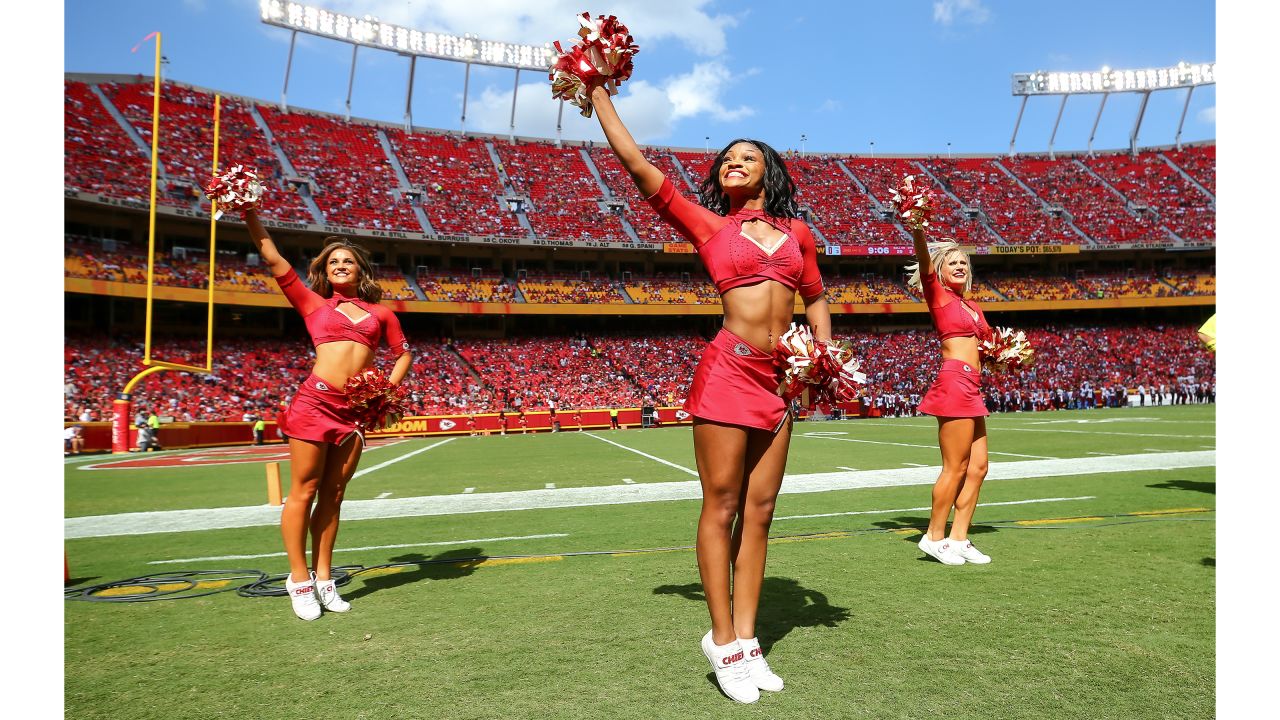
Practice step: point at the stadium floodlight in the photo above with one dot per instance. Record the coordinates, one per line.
(1182, 75)
(370, 32)
(1106, 81)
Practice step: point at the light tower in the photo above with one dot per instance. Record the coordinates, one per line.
(370, 32)
(1105, 82)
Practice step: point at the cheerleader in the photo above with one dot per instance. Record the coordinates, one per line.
(339, 303)
(943, 273)
(759, 255)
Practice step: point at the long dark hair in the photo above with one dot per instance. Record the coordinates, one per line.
(779, 188)
(367, 289)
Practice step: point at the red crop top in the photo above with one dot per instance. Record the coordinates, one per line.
(731, 258)
(326, 324)
(948, 311)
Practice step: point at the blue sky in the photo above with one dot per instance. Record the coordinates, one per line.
(910, 76)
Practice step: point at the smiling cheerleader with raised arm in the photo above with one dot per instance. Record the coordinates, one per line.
(344, 396)
(759, 255)
(942, 272)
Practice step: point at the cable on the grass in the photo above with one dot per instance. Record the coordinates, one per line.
(177, 585)
(273, 586)
(264, 585)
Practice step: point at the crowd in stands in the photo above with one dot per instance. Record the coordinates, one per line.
(867, 288)
(527, 372)
(460, 287)
(565, 197)
(353, 179)
(845, 215)
(353, 182)
(461, 193)
(643, 218)
(253, 377)
(662, 290)
(1200, 162)
(86, 258)
(1148, 180)
(1123, 284)
(98, 156)
(882, 175)
(1016, 215)
(568, 288)
(1097, 211)
(1021, 286)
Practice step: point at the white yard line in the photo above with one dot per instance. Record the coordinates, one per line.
(383, 496)
(915, 464)
(406, 456)
(614, 494)
(842, 467)
(668, 463)
(550, 486)
(370, 547)
(927, 507)
(927, 447)
(468, 491)
(628, 481)
(1101, 453)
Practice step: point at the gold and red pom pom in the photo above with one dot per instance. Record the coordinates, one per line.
(912, 203)
(1006, 349)
(601, 57)
(828, 368)
(378, 403)
(235, 189)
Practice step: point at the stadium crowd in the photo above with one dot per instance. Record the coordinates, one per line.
(1075, 367)
(351, 176)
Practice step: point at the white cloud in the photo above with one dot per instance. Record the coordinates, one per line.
(945, 12)
(1209, 115)
(649, 110)
(697, 92)
(830, 105)
(512, 20)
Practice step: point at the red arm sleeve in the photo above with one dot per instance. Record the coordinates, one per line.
(696, 223)
(302, 298)
(934, 295)
(396, 344)
(810, 285)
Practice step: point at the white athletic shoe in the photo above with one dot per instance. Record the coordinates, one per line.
(731, 669)
(966, 550)
(330, 600)
(303, 597)
(944, 550)
(757, 668)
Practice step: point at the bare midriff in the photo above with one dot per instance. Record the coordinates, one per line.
(339, 360)
(964, 349)
(759, 313)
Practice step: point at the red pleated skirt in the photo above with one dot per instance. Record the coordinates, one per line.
(956, 392)
(319, 413)
(736, 384)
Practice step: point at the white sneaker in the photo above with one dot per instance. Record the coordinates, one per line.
(327, 591)
(731, 669)
(757, 668)
(942, 550)
(966, 550)
(303, 597)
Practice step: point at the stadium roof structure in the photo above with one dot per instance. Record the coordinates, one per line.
(1107, 81)
(370, 32)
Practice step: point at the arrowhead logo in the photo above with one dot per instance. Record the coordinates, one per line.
(682, 415)
(447, 424)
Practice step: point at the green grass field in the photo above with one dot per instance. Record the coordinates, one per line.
(1099, 603)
